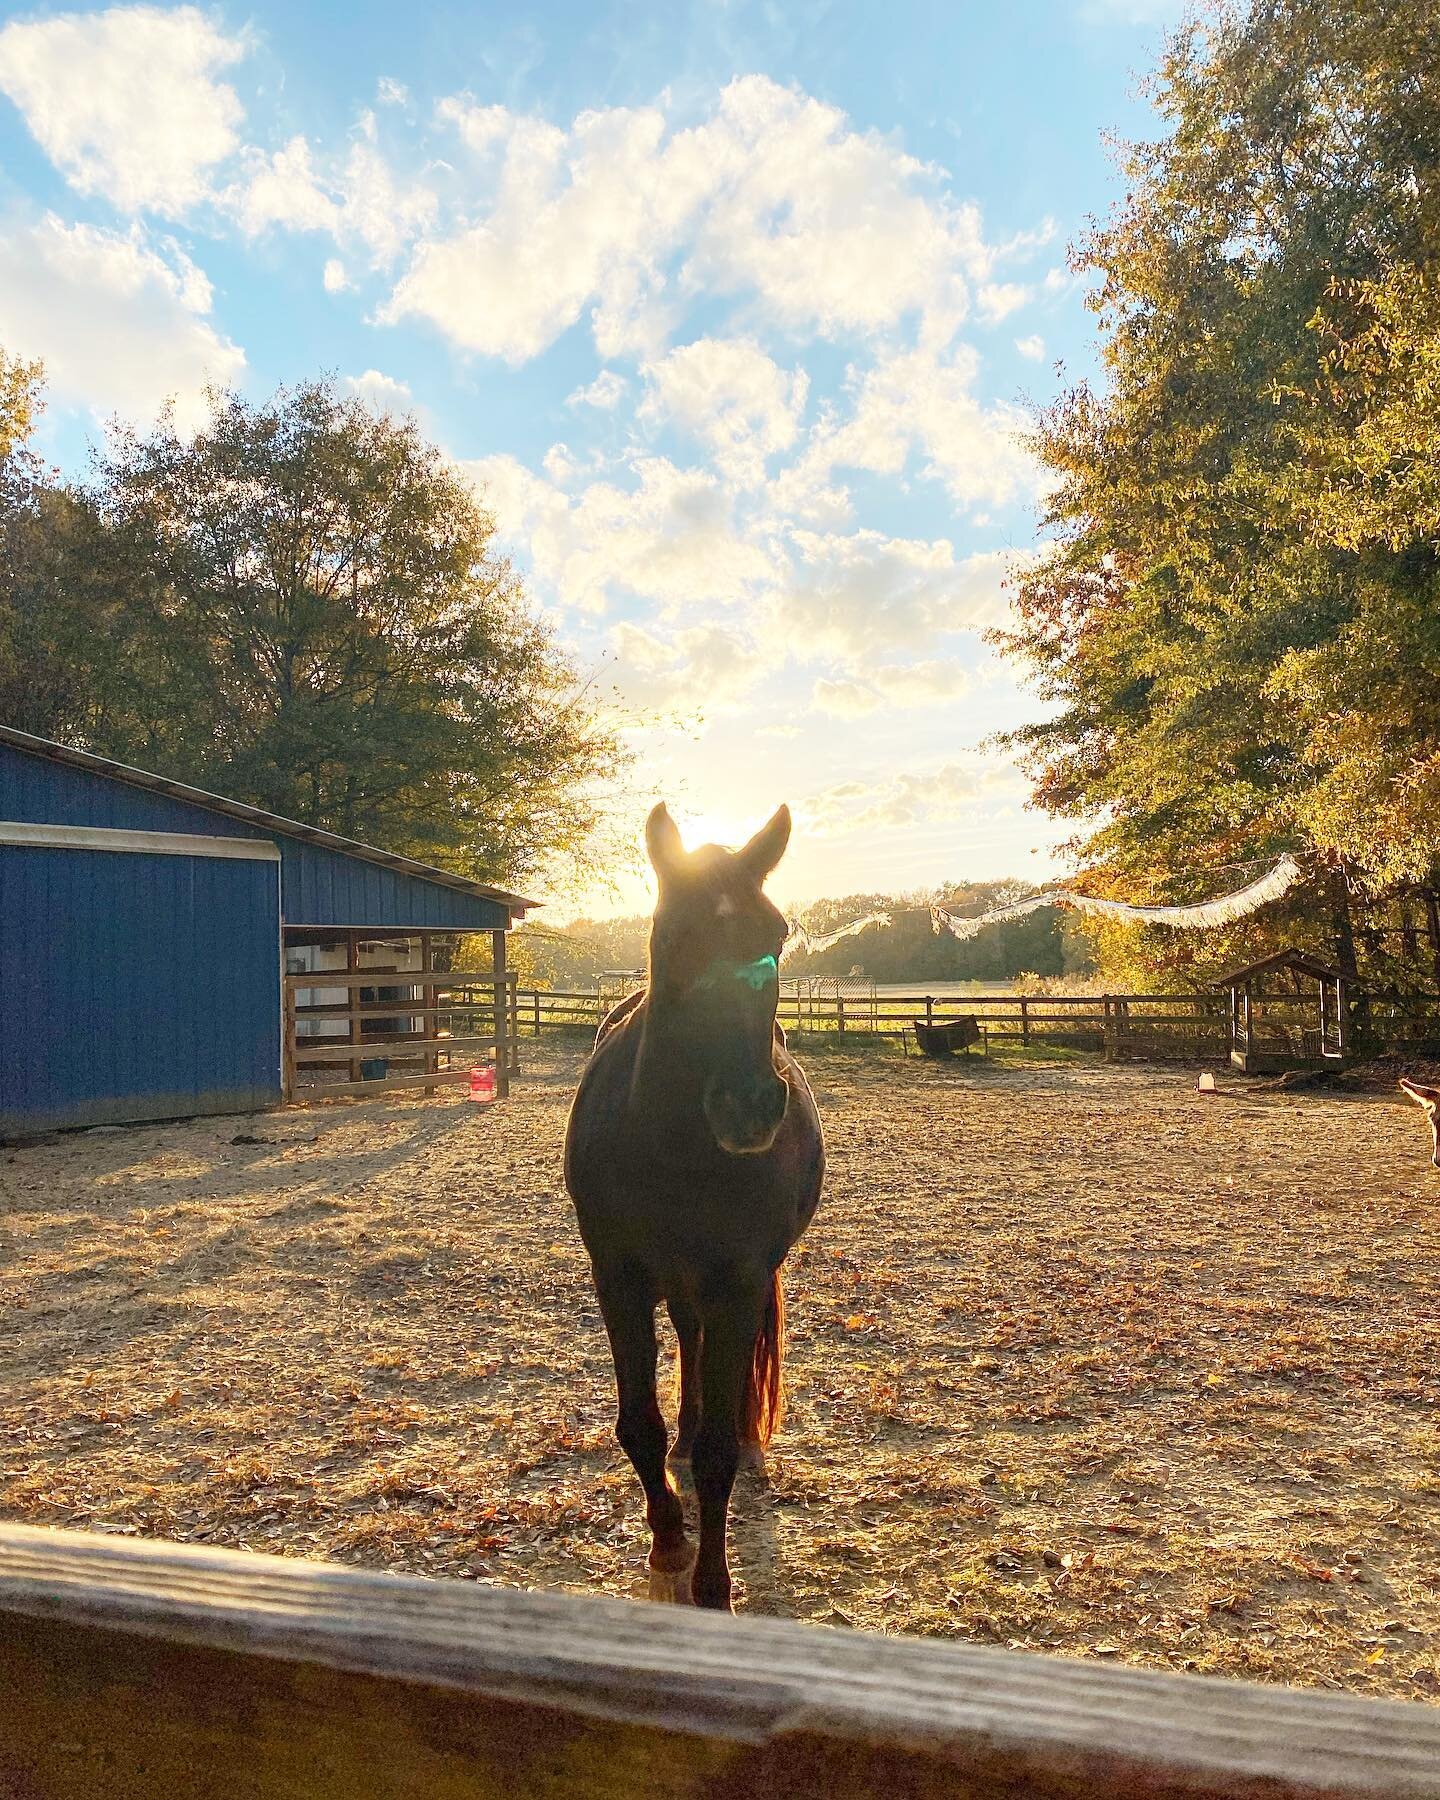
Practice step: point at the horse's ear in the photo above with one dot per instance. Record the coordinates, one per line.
(1428, 1097)
(767, 846)
(662, 840)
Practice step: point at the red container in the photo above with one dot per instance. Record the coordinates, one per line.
(482, 1084)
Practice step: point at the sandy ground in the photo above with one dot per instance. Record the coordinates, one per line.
(1080, 1360)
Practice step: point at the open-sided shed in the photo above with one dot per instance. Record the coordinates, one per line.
(143, 932)
(1273, 1027)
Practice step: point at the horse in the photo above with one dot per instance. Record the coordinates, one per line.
(1429, 1098)
(694, 1157)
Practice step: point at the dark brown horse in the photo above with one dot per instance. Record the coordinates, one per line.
(694, 1158)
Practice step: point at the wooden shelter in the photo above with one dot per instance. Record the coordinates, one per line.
(1306, 1026)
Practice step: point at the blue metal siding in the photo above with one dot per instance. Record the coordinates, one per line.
(135, 987)
(319, 886)
(325, 887)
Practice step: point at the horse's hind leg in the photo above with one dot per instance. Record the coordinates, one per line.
(627, 1302)
(687, 1329)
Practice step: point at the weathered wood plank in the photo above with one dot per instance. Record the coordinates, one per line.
(306, 1091)
(142, 1669)
(311, 1051)
(415, 978)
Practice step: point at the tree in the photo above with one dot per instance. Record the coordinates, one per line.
(1236, 620)
(308, 614)
(57, 638)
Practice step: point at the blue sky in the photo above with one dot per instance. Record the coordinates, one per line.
(731, 311)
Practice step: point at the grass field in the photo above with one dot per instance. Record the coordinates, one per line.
(1081, 1360)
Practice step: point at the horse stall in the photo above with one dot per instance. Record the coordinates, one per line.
(147, 1670)
(147, 928)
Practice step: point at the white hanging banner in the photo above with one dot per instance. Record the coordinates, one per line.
(1221, 911)
(800, 941)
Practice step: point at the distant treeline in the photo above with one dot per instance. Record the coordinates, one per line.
(1043, 943)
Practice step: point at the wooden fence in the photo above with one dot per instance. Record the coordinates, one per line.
(461, 1018)
(447, 1022)
(150, 1670)
(1119, 1025)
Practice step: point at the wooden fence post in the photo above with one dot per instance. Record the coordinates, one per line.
(929, 1010)
(430, 1058)
(840, 1015)
(1024, 1020)
(288, 1047)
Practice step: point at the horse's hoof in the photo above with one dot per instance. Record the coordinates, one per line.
(752, 1461)
(671, 1587)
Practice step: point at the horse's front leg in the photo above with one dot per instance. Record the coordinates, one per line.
(729, 1325)
(627, 1303)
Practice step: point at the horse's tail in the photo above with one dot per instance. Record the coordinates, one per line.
(764, 1403)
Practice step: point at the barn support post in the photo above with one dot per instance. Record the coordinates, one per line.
(430, 1056)
(502, 1016)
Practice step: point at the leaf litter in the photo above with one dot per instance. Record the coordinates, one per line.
(1078, 1362)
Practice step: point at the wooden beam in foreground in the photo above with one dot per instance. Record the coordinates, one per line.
(139, 1669)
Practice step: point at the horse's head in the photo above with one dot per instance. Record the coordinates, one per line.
(714, 970)
(1429, 1098)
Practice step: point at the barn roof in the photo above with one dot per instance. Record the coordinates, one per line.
(256, 815)
(1288, 958)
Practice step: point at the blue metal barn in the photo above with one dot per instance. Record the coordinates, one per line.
(143, 930)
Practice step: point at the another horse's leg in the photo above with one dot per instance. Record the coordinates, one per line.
(627, 1302)
(687, 1329)
(730, 1326)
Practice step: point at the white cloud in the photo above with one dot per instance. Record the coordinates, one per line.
(844, 699)
(119, 326)
(671, 537)
(1032, 347)
(358, 199)
(996, 300)
(702, 669)
(773, 196)
(916, 402)
(125, 102)
(335, 279)
(864, 595)
(908, 799)
(390, 92)
(604, 392)
(381, 392)
(727, 393)
(896, 684)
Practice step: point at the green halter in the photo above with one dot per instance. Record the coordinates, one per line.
(757, 975)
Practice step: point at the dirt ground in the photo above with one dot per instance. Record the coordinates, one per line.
(1081, 1360)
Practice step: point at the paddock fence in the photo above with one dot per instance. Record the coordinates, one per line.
(148, 1669)
(1116, 1025)
(430, 1030)
(398, 1030)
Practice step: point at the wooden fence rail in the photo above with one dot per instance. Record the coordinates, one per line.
(152, 1670)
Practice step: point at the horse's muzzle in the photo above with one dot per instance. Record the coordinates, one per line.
(745, 1115)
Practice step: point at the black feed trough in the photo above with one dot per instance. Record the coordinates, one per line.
(943, 1037)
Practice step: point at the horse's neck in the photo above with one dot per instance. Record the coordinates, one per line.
(668, 1080)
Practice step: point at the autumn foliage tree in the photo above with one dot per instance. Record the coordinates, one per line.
(1238, 620)
(300, 605)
